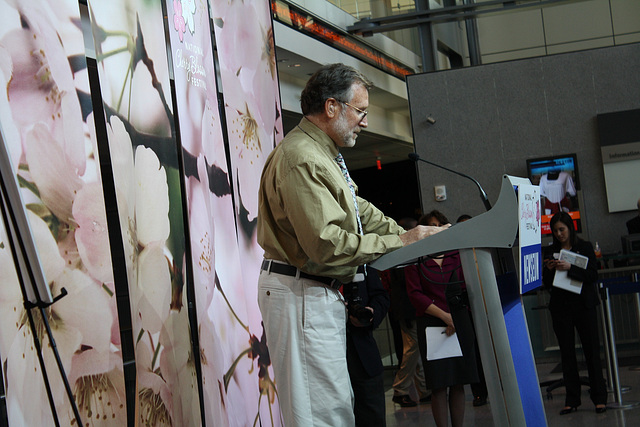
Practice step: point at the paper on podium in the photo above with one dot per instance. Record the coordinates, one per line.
(561, 279)
(441, 346)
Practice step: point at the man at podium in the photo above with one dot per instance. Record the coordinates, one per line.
(316, 232)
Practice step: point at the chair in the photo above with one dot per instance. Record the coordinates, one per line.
(554, 384)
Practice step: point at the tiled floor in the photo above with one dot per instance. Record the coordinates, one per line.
(481, 416)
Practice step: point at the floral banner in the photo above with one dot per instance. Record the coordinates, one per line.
(46, 117)
(133, 70)
(51, 139)
(246, 54)
(235, 365)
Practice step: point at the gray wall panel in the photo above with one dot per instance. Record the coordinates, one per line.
(616, 78)
(570, 100)
(491, 118)
(522, 108)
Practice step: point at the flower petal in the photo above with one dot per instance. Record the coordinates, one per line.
(56, 181)
(11, 134)
(152, 198)
(50, 260)
(121, 153)
(154, 288)
(85, 302)
(11, 301)
(92, 234)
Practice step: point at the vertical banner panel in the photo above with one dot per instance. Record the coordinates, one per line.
(51, 140)
(235, 371)
(246, 54)
(134, 81)
(529, 237)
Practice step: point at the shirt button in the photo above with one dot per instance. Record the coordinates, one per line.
(268, 293)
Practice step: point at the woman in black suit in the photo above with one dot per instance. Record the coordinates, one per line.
(571, 311)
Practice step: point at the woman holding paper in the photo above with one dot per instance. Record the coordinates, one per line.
(574, 309)
(437, 291)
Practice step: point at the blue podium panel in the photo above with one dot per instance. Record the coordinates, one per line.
(531, 267)
(521, 352)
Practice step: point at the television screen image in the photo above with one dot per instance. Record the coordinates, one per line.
(558, 179)
(631, 244)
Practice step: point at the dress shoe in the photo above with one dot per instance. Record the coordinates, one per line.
(479, 401)
(601, 409)
(404, 401)
(568, 410)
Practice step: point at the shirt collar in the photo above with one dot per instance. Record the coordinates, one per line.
(318, 135)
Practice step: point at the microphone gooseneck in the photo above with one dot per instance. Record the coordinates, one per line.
(416, 157)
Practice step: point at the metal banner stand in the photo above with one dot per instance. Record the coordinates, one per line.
(496, 305)
(35, 289)
(611, 352)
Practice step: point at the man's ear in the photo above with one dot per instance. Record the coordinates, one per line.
(331, 107)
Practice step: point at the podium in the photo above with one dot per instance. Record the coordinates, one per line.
(485, 244)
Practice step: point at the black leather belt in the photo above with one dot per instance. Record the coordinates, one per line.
(290, 270)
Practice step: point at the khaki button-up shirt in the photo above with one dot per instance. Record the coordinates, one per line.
(306, 214)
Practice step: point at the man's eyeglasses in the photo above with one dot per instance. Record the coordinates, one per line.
(363, 113)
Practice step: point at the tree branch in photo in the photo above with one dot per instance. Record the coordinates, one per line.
(140, 54)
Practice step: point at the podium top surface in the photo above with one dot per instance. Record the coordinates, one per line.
(496, 228)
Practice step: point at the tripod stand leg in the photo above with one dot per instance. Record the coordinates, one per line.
(45, 377)
(22, 261)
(65, 380)
(11, 238)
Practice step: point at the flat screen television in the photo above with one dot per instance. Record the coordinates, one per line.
(559, 184)
(631, 244)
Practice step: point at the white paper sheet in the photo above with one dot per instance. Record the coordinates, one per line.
(561, 279)
(441, 346)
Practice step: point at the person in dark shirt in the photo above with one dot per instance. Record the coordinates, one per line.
(368, 303)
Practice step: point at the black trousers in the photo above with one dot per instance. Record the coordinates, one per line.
(368, 392)
(568, 318)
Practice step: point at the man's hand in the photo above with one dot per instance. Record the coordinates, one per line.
(355, 322)
(420, 232)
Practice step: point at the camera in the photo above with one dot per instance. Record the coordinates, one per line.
(356, 307)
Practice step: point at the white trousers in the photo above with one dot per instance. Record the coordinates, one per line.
(305, 325)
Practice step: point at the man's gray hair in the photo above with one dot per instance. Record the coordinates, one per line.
(330, 81)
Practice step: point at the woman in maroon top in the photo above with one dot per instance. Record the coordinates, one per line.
(437, 291)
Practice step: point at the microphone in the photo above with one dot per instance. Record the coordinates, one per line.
(416, 157)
